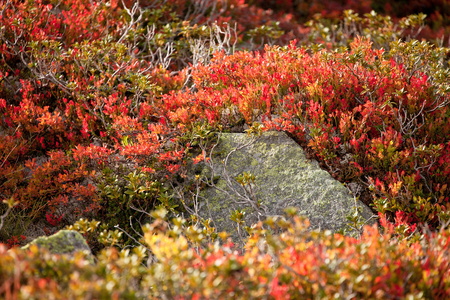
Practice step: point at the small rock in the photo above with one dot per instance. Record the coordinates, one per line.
(63, 242)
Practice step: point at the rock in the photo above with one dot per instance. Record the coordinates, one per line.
(283, 177)
(63, 242)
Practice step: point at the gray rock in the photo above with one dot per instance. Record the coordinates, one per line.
(63, 242)
(283, 177)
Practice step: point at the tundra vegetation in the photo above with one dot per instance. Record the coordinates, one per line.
(104, 105)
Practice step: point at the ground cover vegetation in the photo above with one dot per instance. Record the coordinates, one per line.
(104, 105)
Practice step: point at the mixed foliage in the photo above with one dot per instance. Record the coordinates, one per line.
(297, 264)
(104, 105)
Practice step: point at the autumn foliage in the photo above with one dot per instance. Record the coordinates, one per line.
(294, 265)
(103, 105)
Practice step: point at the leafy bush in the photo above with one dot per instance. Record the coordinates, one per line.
(294, 264)
(104, 104)
(79, 83)
(386, 114)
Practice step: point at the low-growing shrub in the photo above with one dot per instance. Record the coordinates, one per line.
(386, 110)
(103, 105)
(282, 260)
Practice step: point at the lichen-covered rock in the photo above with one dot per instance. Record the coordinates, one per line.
(283, 177)
(63, 242)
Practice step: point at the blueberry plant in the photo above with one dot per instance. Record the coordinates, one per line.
(104, 104)
(298, 264)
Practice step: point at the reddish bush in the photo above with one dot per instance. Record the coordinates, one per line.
(92, 92)
(366, 101)
(102, 105)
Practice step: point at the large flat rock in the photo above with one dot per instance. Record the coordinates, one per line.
(283, 177)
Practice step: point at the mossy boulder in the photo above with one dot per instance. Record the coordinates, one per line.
(65, 242)
(283, 177)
